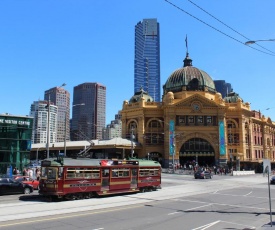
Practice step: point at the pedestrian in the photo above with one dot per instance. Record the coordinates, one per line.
(15, 172)
(24, 173)
(30, 173)
(38, 173)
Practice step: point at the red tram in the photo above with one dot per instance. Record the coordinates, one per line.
(86, 178)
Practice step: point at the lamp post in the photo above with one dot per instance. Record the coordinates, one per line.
(65, 134)
(37, 154)
(132, 144)
(254, 41)
(48, 128)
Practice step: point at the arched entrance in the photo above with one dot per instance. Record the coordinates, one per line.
(197, 150)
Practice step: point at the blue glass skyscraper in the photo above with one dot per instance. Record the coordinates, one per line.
(147, 58)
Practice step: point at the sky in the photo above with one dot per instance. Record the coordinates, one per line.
(44, 44)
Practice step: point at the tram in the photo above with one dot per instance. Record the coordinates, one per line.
(81, 178)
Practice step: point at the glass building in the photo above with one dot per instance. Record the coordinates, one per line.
(89, 111)
(223, 87)
(15, 141)
(147, 58)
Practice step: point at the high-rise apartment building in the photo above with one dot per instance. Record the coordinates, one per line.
(147, 58)
(114, 129)
(88, 120)
(39, 112)
(61, 98)
(223, 87)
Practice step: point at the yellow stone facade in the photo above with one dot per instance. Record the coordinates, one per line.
(199, 116)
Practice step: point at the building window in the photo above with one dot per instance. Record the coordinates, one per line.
(209, 120)
(200, 120)
(191, 119)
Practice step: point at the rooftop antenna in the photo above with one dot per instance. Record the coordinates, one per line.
(186, 44)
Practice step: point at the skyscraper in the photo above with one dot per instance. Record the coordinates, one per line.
(147, 58)
(223, 87)
(88, 120)
(61, 98)
(39, 111)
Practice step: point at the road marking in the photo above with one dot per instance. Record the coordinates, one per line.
(198, 207)
(65, 216)
(206, 226)
(222, 204)
(97, 228)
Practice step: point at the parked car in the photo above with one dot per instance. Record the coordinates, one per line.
(27, 180)
(272, 180)
(11, 186)
(202, 175)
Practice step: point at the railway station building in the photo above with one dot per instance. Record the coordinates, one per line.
(194, 123)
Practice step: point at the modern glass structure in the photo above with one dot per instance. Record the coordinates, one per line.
(147, 58)
(15, 141)
(88, 120)
(223, 87)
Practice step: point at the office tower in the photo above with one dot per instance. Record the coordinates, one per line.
(147, 58)
(223, 87)
(88, 120)
(39, 112)
(114, 129)
(61, 98)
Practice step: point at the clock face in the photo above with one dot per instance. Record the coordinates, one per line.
(196, 107)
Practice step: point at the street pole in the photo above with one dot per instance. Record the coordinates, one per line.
(65, 134)
(174, 151)
(48, 129)
(132, 145)
(268, 182)
(37, 154)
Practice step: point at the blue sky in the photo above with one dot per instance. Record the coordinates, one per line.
(44, 44)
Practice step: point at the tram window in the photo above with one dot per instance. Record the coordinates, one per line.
(70, 173)
(79, 172)
(105, 173)
(148, 172)
(44, 172)
(134, 172)
(51, 173)
(60, 172)
(121, 172)
(91, 173)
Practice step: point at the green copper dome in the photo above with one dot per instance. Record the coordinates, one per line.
(138, 95)
(190, 78)
(232, 97)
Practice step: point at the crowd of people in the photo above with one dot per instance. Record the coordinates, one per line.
(28, 173)
(193, 167)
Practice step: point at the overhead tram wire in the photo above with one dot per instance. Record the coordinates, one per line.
(248, 39)
(215, 28)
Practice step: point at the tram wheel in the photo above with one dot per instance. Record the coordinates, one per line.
(142, 190)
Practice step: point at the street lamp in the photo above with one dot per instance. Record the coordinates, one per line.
(65, 133)
(132, 145)
(253, 42)
(37, 154)
(48, 125)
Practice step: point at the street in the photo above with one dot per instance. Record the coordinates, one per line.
(224, 202)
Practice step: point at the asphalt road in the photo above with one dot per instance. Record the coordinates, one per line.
(224, 202)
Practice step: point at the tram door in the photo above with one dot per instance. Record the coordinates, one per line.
(105, 185)
(134, 178)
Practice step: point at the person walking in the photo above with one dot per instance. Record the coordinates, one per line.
(15, 171)
(38, 173)
(30, 173)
